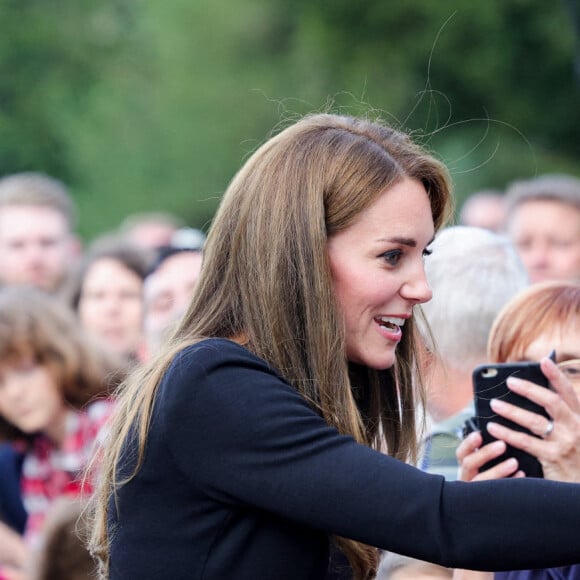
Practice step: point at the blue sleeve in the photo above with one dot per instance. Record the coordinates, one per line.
(12, 510)
(247, 438)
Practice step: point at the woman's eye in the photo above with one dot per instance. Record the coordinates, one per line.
(572, 370)
(392, 257)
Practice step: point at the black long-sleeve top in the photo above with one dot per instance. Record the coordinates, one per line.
(243, 480)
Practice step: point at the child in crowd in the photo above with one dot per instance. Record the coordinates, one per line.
(54, 386)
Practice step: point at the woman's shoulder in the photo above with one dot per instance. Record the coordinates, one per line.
(220, 347)
(218, 371)
(212, 353)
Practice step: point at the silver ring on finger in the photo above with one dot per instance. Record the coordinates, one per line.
(549, 429)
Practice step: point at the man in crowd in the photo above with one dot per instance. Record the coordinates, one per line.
(544, 224)
(484, 209)
(37, 244)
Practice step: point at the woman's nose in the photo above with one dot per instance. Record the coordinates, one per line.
(416, 288)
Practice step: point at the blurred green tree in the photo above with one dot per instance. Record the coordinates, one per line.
(50, 55)
(147, 105)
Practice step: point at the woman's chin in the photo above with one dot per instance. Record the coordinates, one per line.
(378, 362)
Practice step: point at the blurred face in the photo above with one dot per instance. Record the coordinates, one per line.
(566, 341)
(111, 305)
(378, 272)
(31, 400)
(547, 237)
(36, 246)
(168, 292)
(485, 212)
(151, 235)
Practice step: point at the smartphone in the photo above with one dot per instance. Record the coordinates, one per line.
(489, 382)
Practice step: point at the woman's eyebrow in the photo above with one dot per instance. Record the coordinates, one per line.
(412, 243)
(567, 355)
(397, 240)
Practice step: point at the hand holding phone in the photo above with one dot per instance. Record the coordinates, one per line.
(489, 382)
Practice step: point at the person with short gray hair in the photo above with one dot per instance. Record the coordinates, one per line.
(544, 224)
(37, 219)
(472, 272)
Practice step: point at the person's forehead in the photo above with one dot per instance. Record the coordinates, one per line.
(31, 218)
(183, 265)
(547, 213)
(152, 234)
(539, 205)
(564, 338)
(485, 204)
(179, 269)
(182, 259)
(111, 273)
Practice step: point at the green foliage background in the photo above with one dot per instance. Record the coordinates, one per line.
(145, 105)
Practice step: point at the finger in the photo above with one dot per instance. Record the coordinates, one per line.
(560, 383)
(468, 447)
(547, 398)
(533, 445)
(507, 468)
(470, 444)
(534, 422)
(478, 458)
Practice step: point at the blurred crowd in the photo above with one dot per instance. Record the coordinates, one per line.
(75, 319)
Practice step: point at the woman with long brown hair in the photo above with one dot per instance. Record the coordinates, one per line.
(259, 432)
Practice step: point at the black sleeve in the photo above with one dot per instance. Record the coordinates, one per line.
(249, 439)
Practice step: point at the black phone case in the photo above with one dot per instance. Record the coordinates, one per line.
(489, 382)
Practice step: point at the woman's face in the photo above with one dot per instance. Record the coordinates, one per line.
(31, 400)
(565, 340)
(378, 273)
(111, 305)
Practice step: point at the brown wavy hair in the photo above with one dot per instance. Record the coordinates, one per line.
(37, 326)
(266, 281)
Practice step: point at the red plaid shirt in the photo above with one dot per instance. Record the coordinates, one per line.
(50, 472)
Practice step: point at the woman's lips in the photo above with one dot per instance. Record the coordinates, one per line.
(390, 327)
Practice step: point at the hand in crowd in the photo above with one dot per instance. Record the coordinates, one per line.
(13, 554)
(557, 446)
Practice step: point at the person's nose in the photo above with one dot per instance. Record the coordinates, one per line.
(536, 260)
(537, 255)
(416, 288)
(33, 254)
(111, 304)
